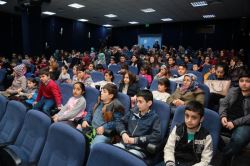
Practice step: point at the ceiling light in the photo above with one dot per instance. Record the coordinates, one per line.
(83, 20)
(167, 19)
(107, 25)
(110, 15)
(208, 16)
(133, 22)
(2, 2)
(48, 13)
(148, 10)
(199, 4)
(76, 5)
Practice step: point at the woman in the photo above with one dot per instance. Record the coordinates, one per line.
(189, 91)
(163, 73)
(128, 84)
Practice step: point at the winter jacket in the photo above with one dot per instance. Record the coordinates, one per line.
(132, 89)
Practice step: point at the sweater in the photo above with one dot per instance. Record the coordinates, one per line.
(50, 90)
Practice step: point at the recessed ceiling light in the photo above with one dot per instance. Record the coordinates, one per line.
(76, 5)
(199, 3)
(148, 10)
(48, 13)
(167, 19)
(133, 22)
(2, 2)
(209, 16)
(107, 25)
(83, 20)
(110, 15)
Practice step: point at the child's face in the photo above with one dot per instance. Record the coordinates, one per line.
(142, 105)
(77, 91)
(152, 59)
(143, 71)
(44, 78)
(105, 96)
(161, 88)
(181, 70)
(74, 70)
(192, 119)
(170, 61)
(122, 59)
(81, 74)
(195, 67)
(133, 59)
(91, 67)
(112, 61)
(64, 71)
(107, 77)
(30, 84)
(126, 79)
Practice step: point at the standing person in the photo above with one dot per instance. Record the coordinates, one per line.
(189, 144)
(235, 118)
(49, 94)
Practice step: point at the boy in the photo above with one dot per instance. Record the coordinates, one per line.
(83, 77)
(140, 126)
(189, 143)
(105, 114)
(49, 93)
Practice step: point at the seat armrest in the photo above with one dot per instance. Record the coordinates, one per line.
(11, 156)
(153, 148)
(2, 145)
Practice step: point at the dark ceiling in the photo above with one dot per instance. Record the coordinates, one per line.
(130, 10)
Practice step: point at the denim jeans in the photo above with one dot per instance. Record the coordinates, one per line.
(45, 105)
(100, 139)
(134, 151)
(239, 139)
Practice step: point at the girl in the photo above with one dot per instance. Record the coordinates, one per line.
(112, 61)
(135, 62)
(145, 72)
(90, 68)
(128, 84)
(163, 73)
(153, 61)
(75, 106)
(162, 92)
(109, 78)
(75, 73)
(30, 93)
(189, 91)
(64, 76)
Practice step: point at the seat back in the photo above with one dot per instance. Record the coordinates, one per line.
(125, 100)
(115, 68)
(91, 97)
(154, 86)
(163, 110)
(64, 146)
(3, 104)
(172, 87)
(32, 136)
(199, 75)
(67, 92)
(117, 79)
(133, 70)
(12, 121)
(211, 123)
(206, 90)
(143, 82)
(97, 76)
(109, 155)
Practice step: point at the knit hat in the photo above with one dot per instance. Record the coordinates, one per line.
(19, 70)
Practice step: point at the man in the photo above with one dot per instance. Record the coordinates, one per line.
(235, 117)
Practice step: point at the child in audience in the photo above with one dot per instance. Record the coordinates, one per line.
(140, 126)
(124, 69)
(129, 85)
(90, 68)
(19, 83)
(163, 73)
(182, 70)
(189, 144)
(145, 72)
(108, 78)
(106, 113)
(162, 92)
(49, 94)
(83, 77)
(75, 74)
(64, 76)
(196, 67)
(75, 106)
(30, 93)
(112, 61)
(100, 68)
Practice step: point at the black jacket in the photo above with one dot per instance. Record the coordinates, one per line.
(145, 129)
(132, 89)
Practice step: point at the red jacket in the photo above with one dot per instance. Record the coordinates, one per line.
(50, 91)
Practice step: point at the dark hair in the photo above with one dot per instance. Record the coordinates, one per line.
(195, 106)
(146, 68)
(81, 68)
(165, 82)
(33, 80)
(183, 65)
(99, 66)
(131, 76)
(82, 86)
(111, 88)
(66, 67)
(245, 73)
(124, 66)
(44, 71)
(109, 72)
(146, 94)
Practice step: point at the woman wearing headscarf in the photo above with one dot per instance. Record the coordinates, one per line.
(189, 91)
(19, 83)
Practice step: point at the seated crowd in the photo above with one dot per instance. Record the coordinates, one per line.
(35, 81)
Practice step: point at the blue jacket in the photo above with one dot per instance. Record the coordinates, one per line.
(145, 129)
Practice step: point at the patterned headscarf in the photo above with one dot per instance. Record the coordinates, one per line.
(193, 85)
(19, 70)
